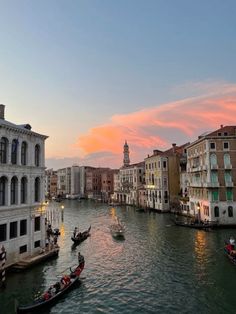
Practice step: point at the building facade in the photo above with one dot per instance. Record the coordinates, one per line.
(211, 163)
(22, 189)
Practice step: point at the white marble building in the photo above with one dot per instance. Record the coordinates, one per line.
(22, 192)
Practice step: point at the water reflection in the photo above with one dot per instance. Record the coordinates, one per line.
(155, 270)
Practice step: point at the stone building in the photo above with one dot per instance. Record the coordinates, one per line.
(51, 183)
(162, 177)
(22, 189)
(211, 163)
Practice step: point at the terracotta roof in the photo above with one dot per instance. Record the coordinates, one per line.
(229, 129)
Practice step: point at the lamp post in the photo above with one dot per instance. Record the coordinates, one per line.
(198, 212)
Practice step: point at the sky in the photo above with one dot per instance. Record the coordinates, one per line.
(91, 74)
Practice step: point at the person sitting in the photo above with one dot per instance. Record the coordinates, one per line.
(79, 235)
(46, 295)
(232, 242)
(228, 248)
(57, 287)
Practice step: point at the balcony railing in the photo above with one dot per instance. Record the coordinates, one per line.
(214, 167)
(229, 184)
(228, 166)
(211, 184)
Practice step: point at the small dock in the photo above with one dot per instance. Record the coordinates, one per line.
(30, 261)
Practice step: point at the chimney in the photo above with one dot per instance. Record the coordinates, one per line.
(2, 109)
(174, 147)
(221, 126)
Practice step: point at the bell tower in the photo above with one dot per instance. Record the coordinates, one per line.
(126, 160)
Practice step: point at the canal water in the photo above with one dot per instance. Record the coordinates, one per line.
(158, 268)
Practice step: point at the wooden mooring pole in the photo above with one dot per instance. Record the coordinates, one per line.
(3, 256)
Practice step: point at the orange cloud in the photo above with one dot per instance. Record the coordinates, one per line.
(157, 127)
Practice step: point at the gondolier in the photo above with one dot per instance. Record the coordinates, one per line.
(80, 259)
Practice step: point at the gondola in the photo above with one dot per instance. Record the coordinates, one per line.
(200, 226)
(230, 257)
(41, 302)
(117, 229)
(83, 236)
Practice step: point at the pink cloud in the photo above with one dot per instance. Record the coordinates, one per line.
(157, 127)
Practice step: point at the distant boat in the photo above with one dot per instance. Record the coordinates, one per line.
(201, 226)
(117, 230)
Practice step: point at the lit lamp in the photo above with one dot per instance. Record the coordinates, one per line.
(198, 211)
(62, 213)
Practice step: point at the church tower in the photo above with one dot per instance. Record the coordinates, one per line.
(126, 160)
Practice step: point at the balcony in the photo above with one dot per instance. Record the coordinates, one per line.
(214, 167)
(228, 166)
(211, 185)
(229, 184)
(196, 184)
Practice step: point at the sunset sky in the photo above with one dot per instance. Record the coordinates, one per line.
(91, 74)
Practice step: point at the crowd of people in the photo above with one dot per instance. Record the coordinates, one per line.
(51, 238)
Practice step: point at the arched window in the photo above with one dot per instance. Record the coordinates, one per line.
(3, 150)
(216, 211)
(213, 159)
(37, 155)
(230, 211)
(24, 153)
(3, 188)
(37, 190)
(14, 182)
(23, 192)
(14, 146)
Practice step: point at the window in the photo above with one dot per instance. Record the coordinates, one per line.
(228, 177)
(215, 196)
(13, 229)
(3, 232)
(226, 145)
(3, 183)
(14, 145)
(213, 159)
(23, 227)
(23, 249)
(23, 153)
(230, 211)
(214, 177)
(23, 191)
(216, 211)
(229, 194)
(14, 182)
(164, 164)
(36, 190)
(212, 145)
(37, 224)
(227, 160)
(37, 155)
(37, 244)
(3, 150)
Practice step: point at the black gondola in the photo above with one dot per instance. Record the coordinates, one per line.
(41, 302)
(81, 237)
(200, 226)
